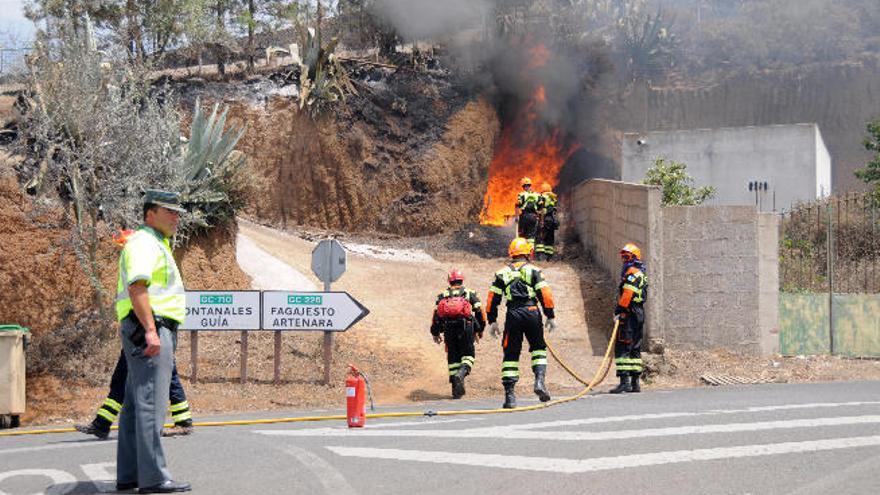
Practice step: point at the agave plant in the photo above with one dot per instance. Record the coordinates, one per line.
(211, 165)
(323, 79)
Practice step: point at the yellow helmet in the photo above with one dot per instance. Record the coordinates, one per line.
(526, 181)
(545, 187)
(633, 250)
(519, 247)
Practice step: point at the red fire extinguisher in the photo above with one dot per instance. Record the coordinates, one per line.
(356, 384)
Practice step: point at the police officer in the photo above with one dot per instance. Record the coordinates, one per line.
(547, 206)
(461, 327)
(112, 405)
(522, 285)
(109, 410)
(630, 312)
(150, 304)
(527, 212)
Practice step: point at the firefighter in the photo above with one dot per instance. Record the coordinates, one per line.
(630, 313)
(547, 206)
(523, 286)
(527, 212)
(460, 317)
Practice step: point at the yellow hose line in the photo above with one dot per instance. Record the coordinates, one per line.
(598, 377)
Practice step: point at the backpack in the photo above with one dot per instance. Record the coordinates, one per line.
(454, 307)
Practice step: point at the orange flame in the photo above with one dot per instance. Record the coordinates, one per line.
(525, 149)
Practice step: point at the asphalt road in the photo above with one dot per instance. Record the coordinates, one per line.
(766, 439)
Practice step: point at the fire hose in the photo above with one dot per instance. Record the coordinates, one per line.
(598, 377)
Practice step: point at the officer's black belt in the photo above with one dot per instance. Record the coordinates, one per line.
(161, 321)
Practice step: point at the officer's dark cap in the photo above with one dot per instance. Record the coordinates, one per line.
(165, 199)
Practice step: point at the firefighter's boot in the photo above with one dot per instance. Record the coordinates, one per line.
(636, 387)
(94, 428)
(509, 395)
(458, 381)
(540, 388)
(624, 385)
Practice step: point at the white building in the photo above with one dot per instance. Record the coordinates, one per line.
(772, 167)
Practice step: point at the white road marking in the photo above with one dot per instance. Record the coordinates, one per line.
(374, 424)
(329, 477)
(713, 412)
(97, 443)
(520, 434)
(62, 481)
(101, 476)
(568, 466)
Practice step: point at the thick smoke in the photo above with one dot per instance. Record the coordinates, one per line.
(422, 19)
(511, 68)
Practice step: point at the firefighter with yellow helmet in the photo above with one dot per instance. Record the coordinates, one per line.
(630, 312)
(527, 212)
(523, 287)
(547, 207)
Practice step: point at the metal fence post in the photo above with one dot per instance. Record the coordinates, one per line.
(830, 257)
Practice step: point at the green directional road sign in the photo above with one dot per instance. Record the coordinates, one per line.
(311, 311)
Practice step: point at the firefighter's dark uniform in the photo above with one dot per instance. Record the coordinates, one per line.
(112, 405)
(547, 206)
(631, 311)
(527, 226)
(523, 286)
(459, 336)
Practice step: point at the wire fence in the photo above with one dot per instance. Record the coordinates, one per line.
(829, 283)
(846, 226)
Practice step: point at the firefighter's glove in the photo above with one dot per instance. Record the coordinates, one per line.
(550, 325)
(494, 330)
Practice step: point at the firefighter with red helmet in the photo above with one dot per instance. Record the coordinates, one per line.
(527, 212)
(523, 287)
(547, 207)
(460, 317)
(630, 312)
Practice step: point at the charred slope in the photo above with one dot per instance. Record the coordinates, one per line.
(408, 155)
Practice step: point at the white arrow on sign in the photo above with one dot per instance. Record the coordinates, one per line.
(309, 311)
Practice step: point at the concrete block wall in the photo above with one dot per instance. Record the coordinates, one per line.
(608, 214)
(712, 270)
(720, 278)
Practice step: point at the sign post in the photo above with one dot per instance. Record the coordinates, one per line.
(328, 264)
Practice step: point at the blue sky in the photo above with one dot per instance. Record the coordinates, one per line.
(13, 22)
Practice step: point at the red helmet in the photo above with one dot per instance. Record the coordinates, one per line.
(456, 275)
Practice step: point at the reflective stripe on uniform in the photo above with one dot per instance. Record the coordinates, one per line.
(539, 357)
(180, 412)
(510, 369)
(468, 360)
(509, 276)
(628, 364)
(109, 416)
(112, 405)
(453, 368)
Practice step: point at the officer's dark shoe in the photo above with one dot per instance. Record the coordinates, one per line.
(636, 387)
(126, 486)
(624, 386)
(509, 396)
(540, 389)
(93, 429)
(169, 486)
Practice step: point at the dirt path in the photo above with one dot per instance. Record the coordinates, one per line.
(400, 294)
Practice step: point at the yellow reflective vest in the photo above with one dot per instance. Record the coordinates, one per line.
(147, 256)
